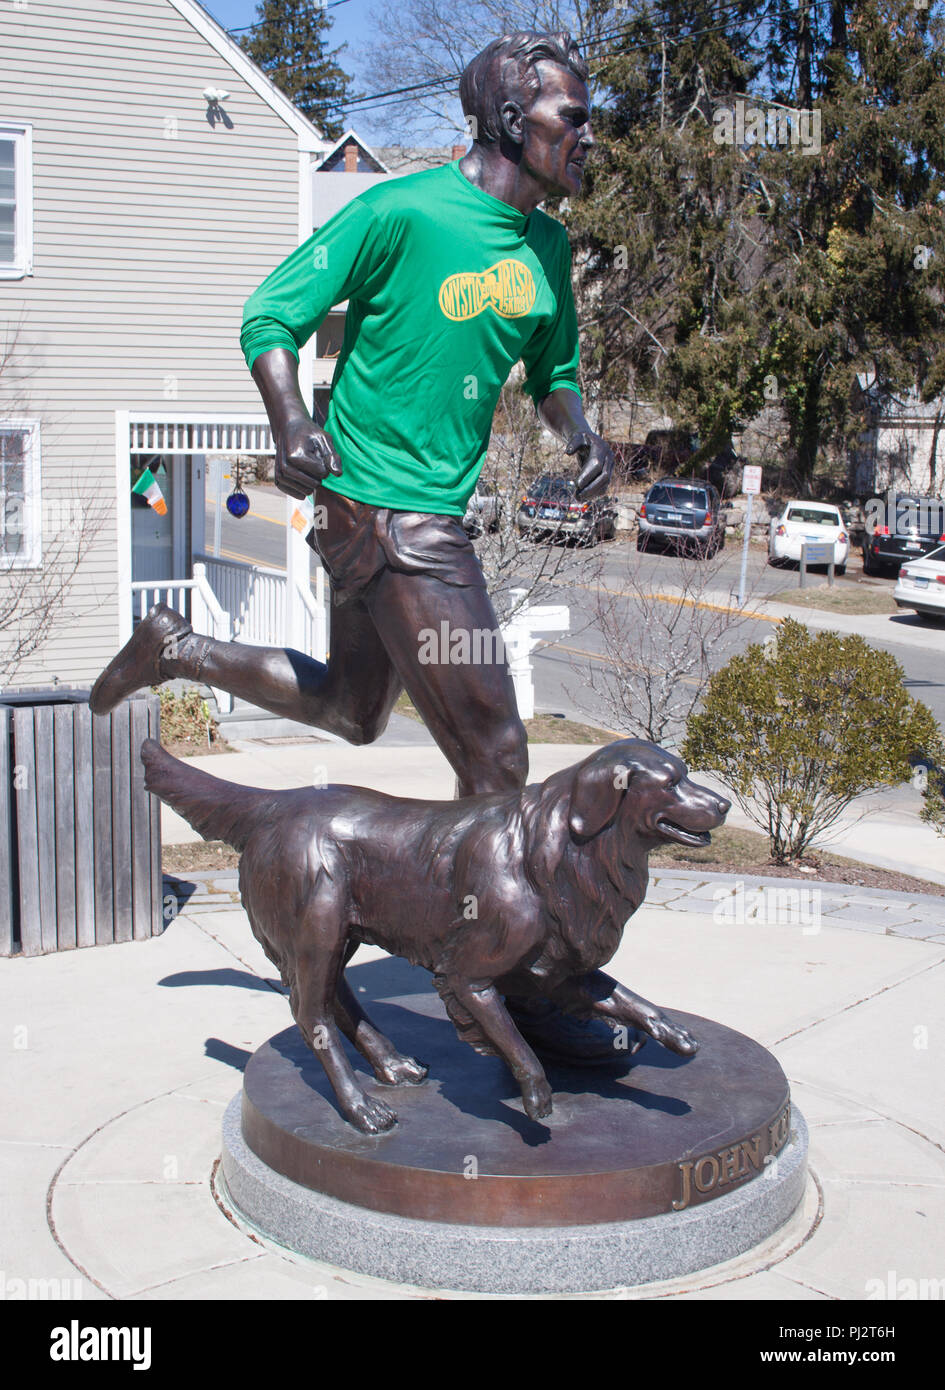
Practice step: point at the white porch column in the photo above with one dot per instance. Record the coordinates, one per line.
(123, 523)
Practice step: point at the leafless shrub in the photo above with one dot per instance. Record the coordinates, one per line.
(35, 603)
(660, 644)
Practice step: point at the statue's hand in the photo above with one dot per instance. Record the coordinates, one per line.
(597, 463)
(305, 455)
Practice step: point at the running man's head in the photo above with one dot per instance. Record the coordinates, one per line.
(526, 94)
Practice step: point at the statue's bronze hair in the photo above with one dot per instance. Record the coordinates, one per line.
(505, 70)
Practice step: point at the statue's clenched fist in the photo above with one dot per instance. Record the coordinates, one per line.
(305, 455)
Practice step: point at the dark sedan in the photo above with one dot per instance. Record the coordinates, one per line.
(906, 529)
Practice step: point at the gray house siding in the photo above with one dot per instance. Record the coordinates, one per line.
(151, 226)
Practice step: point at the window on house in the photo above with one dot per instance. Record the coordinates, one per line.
(16, 202)
(20, 537)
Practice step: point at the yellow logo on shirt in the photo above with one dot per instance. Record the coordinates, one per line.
(507, 287)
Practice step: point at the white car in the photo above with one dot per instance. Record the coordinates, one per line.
(803, 523)
(921, 584)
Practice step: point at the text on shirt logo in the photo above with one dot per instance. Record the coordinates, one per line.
(507, 287)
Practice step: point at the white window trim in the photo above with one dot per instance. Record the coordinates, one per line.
(32, 555)
(22, 136)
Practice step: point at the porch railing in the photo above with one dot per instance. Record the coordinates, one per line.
(206, 614)
(257, 600)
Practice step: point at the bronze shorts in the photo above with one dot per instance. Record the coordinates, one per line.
(357, 541)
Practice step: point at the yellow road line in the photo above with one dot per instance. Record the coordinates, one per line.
(716, 607)
(247, 559)
(668, 598)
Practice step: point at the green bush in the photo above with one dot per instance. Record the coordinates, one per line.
(801, 725)
(185, 719)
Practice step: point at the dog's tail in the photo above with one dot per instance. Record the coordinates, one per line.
(219, 810)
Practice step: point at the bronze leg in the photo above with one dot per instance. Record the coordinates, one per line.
(390, 1066)
(603, 997)
(351, 695)
(314, 978)
(468, 706)
(485, 1005)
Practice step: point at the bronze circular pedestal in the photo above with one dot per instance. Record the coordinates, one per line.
(624, 1142)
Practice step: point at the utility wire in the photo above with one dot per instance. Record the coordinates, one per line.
(261, 23)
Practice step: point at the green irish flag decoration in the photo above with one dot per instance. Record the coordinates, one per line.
(147, 487)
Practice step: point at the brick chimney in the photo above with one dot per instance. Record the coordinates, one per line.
(351, 158)
(458, 152)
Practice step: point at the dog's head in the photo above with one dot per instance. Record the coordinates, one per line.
(649, 788)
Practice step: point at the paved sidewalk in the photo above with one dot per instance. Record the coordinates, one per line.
(125, 1057)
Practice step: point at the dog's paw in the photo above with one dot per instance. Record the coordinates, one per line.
(401, 1071)
(673, 1037)
(537, 1098)
(371, 1116)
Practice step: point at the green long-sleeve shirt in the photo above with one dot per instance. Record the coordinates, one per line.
(447, 288)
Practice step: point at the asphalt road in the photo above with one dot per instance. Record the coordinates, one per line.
(558, 664)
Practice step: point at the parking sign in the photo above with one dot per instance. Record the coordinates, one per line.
(751, 478)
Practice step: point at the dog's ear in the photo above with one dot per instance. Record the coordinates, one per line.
(596, 793)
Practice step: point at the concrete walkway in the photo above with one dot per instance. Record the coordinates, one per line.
(124, 1057)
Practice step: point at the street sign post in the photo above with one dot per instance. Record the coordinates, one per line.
(751, 486)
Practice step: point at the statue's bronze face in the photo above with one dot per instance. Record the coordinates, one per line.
(557, 131)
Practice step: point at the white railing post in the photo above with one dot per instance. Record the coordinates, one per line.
(215, 617)
(519, 639)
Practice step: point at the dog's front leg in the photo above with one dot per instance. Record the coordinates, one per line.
(600, 996)
(484, 1003)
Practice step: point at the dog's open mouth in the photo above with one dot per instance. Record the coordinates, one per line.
(673, 831)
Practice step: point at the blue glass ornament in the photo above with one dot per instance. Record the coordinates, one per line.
(237, 504)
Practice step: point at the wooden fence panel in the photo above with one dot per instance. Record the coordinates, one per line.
(46, 822)
(80, 838)
(65, 824)
(27, 844)
(140, 862)
(84, 827)
(121, 821)
(7, 849)
(158, 922)
(102, 825)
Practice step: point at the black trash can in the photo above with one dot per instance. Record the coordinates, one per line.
(80, 838)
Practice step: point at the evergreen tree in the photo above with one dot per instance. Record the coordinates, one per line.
(725, 270)
(289, 44)
(667, 224)
(856, 251)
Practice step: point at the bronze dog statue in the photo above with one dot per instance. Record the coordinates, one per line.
(521, 893)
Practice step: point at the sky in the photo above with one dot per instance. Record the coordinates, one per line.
(350, 23)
